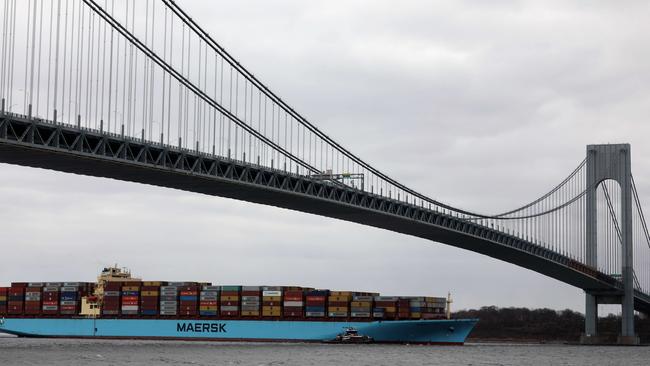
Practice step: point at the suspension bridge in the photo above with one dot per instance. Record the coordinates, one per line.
(138, 91)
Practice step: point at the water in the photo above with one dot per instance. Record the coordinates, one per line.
(15, 351)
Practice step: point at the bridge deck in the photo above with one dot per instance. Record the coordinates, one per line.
(67, 148)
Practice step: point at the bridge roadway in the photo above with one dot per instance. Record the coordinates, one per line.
(73, 149)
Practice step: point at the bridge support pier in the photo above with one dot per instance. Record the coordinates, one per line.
(610, 162)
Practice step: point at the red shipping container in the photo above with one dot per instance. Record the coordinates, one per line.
(315, 303)
(294, 311)
(316, 298)
(193, 287)
(15, 307)
(16, 291)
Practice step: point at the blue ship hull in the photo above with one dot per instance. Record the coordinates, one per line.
(394, 331)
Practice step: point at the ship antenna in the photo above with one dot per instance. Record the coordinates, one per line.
(449, 301)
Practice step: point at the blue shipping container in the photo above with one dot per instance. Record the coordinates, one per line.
(311, 309)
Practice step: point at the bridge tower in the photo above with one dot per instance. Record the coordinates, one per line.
(605, 162)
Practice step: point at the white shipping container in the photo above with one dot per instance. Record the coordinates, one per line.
(386, 298)
(312, 314)
(272, 293)
(178, 284)
(362, 298)
(360, 315)
(129, 307)
(338, 314)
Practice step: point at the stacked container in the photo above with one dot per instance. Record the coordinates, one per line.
(434, 307)
(404, 308)
(33, 298)
(131, 299)
(3, 300)
(250, 301)
(272, 301)
(112, 292)
(16, 301)
(361, 306)
(230, 300)
(208, 302)
(339, 304)
(315, 303)
(416, 304)
(189, 299)
(169, 300)
(294, 304)
(69, 298)
(149, 298)
(51, 298)
(385, 307)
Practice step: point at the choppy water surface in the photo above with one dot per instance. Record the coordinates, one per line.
(15, 351)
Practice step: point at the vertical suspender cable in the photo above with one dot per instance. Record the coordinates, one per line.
(65, 60)
(56, 57)
(153, 74)
(49, 61)
(110, 73)
(31, 74)
(145, 74)
(29, 19)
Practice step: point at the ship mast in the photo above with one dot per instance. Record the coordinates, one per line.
(449, 301)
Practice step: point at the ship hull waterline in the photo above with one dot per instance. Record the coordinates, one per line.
(444, 332)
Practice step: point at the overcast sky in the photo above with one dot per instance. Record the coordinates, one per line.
(482, 105)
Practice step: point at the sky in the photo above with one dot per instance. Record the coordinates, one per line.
(484, 106)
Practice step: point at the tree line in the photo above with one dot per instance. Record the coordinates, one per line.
(542, 325)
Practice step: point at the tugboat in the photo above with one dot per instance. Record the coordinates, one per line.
(351, 336)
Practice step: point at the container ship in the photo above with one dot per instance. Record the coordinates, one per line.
(121, 306)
